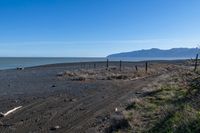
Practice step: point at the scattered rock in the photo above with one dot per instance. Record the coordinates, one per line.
(72, 100)
(53, 86)
(20, 68)
(138, 93)
(36, 120)
(55, 128)
(81, 109)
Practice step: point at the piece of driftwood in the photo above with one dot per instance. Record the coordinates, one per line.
(1, 114)
(9, 112)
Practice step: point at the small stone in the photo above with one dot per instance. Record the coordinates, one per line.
(72, 100)
(81, 109)
(138, 93)
(53, 86)
(20, 68)
(55, 128)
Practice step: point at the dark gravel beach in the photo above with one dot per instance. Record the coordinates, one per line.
(76, 97)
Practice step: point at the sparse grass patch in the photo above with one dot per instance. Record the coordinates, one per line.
(134, 104)
(167, 107)
(185, 120)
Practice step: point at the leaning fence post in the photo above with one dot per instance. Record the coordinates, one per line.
(196, 62)
(146, 66)
(136, 68)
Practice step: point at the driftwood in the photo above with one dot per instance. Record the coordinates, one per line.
(9, 112)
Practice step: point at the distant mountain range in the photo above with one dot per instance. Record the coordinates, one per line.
(158, 53)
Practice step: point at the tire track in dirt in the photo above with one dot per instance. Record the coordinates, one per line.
(83, 119)
(77, 116)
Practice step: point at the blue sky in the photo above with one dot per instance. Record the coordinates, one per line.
(96, 28)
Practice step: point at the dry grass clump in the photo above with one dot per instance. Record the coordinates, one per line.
(114, 73)
(117, 122)
(111, 73)
(98, 74)
(73, 76)
(117, 76)
(66, 74)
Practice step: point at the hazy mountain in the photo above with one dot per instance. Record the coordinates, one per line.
(158, 53)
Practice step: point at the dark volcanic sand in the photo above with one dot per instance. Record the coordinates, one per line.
(73, 106)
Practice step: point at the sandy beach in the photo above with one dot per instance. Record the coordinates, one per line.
(76, 97)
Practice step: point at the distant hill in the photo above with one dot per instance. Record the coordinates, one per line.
(158, 53)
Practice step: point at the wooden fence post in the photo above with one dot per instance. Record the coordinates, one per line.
(120, 65)
(196, 62)
(136, 68)
(146, 67)
(107, 64)
(94, 65)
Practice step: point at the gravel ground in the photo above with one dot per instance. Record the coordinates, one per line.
(54, 102)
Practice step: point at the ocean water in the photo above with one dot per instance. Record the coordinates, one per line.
(11, 62)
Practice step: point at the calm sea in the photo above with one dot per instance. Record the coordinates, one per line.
(9, 63)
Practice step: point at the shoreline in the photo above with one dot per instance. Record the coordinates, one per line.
(97, 62)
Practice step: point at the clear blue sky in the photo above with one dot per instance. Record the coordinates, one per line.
(96, 27)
